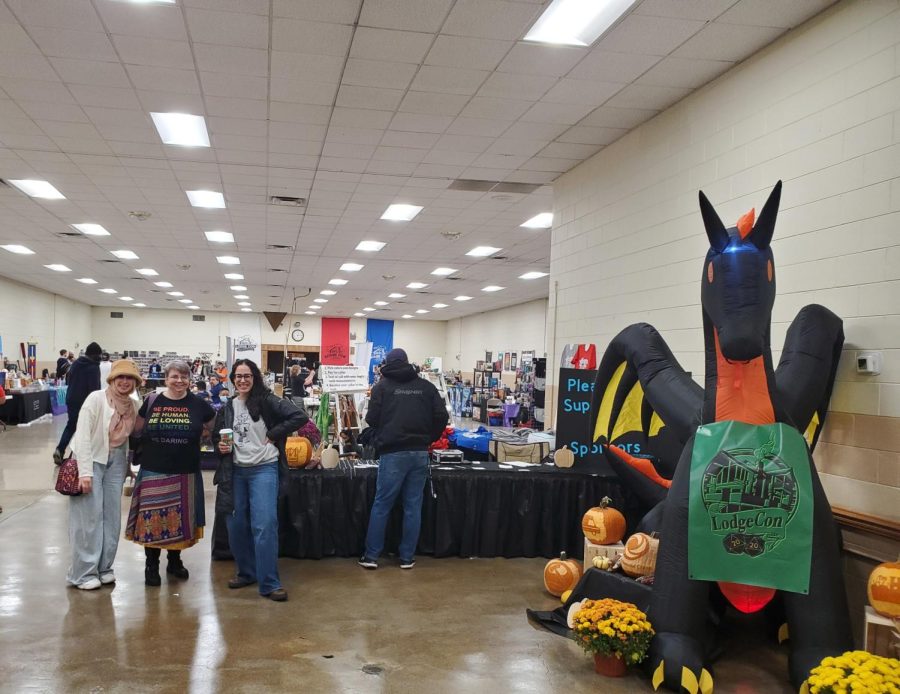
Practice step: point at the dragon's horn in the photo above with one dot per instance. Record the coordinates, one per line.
(761, 236)
(715, 230)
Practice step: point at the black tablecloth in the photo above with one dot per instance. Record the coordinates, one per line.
(25, 407)
(493, 512)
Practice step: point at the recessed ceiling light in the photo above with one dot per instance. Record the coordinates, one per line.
(16, 248)
(310, 313)
(126, 298)
(56, 267)
(181, 129)
(163, 284)
(576, 22)
(147, 271)
(370, 246)
(238, 288)
(193, 307)
(38, 189)
(396, 295)
(401, 213)
(492, 288)
(151, 2)
(381, 303)
(327, 292)
(175, 293)
(406, 315)
(185, 301)
(233, 276)
(462, 297)
(321, 301)
(443, 271)
(228, 259)
(86, 280)
(108, 290)
(91, 229)
(140, 305)
(544, 220)
(368, 309)
(206, 198)
(337, 282)
(533, 275)
(244, 303)
(352, 267)
(422, 310)
(314, 307)
(439, 306)
(246, 310)
(416, 285)
(219, 236)
(359, 315)
(482, 251)
(125, 255)
(241, 296)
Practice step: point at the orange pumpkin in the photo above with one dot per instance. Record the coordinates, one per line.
(603, 525)
(639, 558)
(299, 451)
(884, 589)
(561, 575)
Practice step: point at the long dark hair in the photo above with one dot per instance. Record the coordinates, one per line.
(258, 391)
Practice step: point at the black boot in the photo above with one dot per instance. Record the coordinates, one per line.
(151, 569)
(174, 565)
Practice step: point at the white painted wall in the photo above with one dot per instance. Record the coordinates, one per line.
(820, 109)
(52, 321)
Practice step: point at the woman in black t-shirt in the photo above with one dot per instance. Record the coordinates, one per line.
(167, 507)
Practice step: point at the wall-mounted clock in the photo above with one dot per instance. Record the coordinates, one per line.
(297, 334)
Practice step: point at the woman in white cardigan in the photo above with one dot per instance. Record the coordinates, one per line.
(100, 446)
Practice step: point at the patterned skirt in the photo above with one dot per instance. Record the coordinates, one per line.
(167, 511)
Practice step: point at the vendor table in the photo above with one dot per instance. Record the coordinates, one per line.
(488, 512)
(25, 406)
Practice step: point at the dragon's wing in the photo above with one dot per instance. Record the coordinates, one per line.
(805, 374)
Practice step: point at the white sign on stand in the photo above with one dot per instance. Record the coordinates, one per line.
(344, 379)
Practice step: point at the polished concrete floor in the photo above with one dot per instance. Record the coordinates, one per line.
(450, 625)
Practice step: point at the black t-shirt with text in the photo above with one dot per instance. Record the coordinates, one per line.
(171, 440)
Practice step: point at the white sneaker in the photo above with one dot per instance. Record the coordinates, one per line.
(90, 584)
(106, 579)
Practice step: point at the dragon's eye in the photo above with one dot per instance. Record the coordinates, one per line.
(709, 272)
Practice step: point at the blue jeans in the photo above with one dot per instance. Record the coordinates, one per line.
(253, 527)
(398, 473)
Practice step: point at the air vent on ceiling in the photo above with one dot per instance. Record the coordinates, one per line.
(499, 257)
(274, 296)
(477, 186)
(287, 201)
(72, 234)
(277, 286)
(453, 279)
(105, 260)
(277, 269)
(198, 318)
(278, 247)
(156, 291)
(116, 314)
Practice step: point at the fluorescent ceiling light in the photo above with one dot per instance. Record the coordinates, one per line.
(193, 307)
(401, 213)
(108, 290)
(163, 284)
(86, 280)
(185, 301)
(125, 255)
(38, 189)
(321, 301)
(244, 303)
(147, 271)
(462, 297)
(219, 236)
(406, 315)
(370, 246)
(533, 275)
(238, 288)
(368, 309)
(314, 307)
(175, 293)
(352, 267)
(337, 282)
(90, 229)
(16, 248)
(439, 306)
(126, 298)
(359, 315)
(396, 295)
(492, 288)
(312, 313)
(577, 22)
(327, 292)
(416, 285)
(381, 303)
(443, 271)
(241, 296)
(422, 310)
(246, 310)
(233, 276)
(206, 198)
(140, 305)
(151, 2)
(228, 259)
(544, 220)
(56, 267)
(483, 251)
(181, 129)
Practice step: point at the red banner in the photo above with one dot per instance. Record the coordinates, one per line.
(335, 341)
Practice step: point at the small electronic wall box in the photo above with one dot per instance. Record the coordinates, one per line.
(868, 363)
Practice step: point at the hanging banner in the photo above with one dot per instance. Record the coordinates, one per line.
(335, 341)
(32, 360)
(245, 338)
(381, 334)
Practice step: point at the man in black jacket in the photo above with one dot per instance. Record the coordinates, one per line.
(83, 379)
(409, 415)
(62, 364)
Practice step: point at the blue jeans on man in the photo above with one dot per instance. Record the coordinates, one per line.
(402, 474)
(253, 527)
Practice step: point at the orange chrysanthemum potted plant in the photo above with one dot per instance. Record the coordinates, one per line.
(616, 633)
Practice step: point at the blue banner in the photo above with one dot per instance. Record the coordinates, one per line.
(381, 334)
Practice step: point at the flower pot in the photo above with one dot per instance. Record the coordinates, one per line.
(609, 665)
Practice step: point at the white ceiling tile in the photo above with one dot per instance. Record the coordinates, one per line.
(32, 67)
(325, 68)
(683, 72)
(300, 113)
(338, 11)
(516, 86)
(241, 156)
(237, 126)
(82, 145)
(135, 50)
(466, 52)
(492, 107)
(569, 91)
(13, 39)
(362, 136)
(343, 164)
(310, 148)
(132, 118)
(410, 15)
(570, 150)
(772, 13)
(392, 46)
(452, 157)
(535, 131)
(438, 171)
(727, 42)
(399, 154)
(242, 142)
(395, 138)
(464, 143)
(164, 79)
(606, 66)
(536, 59)
(353, 96)
(416, 122)
(73, 14)
(608, 117)
(644, 96)
(311, 37)
(649, 35)
(376, 73)
(585, 135)
(433, 78)
(297, 131)
(478, 126)
(229, 28)
(397, 168)
(112, 97)
(173, 102)
(157, 21)
(433, 103)
(90, 72)
(236, 108)
(232, 59)
(687, 9)
(360, 118)
(250, 6)
(563, 114)
(552, 164)
(491, 19)
(516, 147)
(481, 173)
(302, 92)
(66, 43)
(241, 86)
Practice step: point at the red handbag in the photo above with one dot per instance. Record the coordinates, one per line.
(67, 478)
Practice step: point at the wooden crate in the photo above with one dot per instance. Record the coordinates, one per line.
(592, 550)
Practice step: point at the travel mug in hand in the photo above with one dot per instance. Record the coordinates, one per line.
(226, 436)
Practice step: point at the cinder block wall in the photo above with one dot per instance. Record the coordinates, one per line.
(820, 109)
